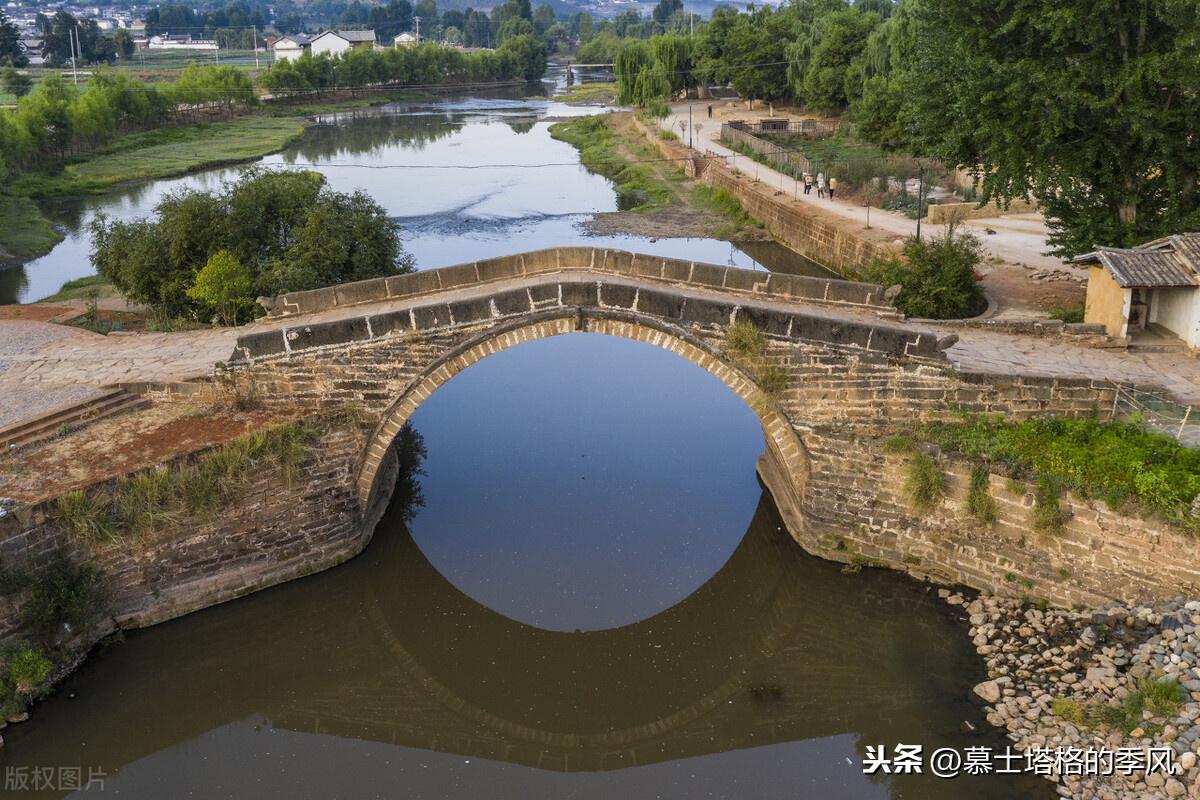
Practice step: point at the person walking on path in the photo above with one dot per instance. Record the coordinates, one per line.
(821, 184)
(807, 183)
(832, 186)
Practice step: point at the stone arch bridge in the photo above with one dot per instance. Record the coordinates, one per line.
(854, 372)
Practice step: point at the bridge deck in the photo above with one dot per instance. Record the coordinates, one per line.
(29, 366)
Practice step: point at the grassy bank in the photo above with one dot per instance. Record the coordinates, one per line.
(164, 153)
(160, 153)
(24, 232)
(637, 187)
(84, 288)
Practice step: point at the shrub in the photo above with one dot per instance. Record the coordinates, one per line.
(1046, 516)
(24, 673)
(937, 277)
(225, 285)
(924, 483)
(899, 445)
(772, 379)
(66, 599)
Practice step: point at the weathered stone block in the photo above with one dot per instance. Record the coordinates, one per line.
(322, 334)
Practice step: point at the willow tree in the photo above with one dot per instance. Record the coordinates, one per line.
(1091, 107)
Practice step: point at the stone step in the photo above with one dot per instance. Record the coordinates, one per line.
(86, 411)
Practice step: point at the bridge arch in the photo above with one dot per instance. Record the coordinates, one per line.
(779, 436)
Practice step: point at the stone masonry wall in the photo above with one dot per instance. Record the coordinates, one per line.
(852, 509)
(269, 533)
(823, 242)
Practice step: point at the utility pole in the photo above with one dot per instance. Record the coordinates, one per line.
(254, 33)
(418, 21)
(689, 126)
(920, 197)
(75, 72)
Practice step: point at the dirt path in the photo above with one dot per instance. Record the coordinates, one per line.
(1014, 246)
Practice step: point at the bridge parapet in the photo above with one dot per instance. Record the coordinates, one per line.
(557, 298)
(828, 292)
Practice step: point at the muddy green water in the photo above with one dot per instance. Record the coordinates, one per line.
(596, 601)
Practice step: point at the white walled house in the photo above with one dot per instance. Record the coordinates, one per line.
(338, 42)
(1152, 287)
(291, 47)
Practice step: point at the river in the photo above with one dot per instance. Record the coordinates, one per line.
(597, 599)
(466, 178)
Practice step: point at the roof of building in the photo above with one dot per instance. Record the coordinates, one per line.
(295, 37)
(357, 36)
(1170, 261)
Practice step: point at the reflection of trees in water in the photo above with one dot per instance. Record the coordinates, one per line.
(361, 133)
(13, 281)
(520, 124)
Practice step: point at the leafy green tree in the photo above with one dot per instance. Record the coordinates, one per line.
(843, 40)
(665, 8)
(225, 285)
(1091, 108)
(543, 19)
(877, 113)
(123, 40)
(25, 671)
(529, 53)
(287, 230)
(10, 44)
(15, 83)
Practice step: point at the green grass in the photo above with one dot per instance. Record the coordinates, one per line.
(743, 340)
(24, 231)
(1162, 697)
(637, 187)
(144, 502)
(165, 152)
(899, 445)
(590, 93)
(1112, 461)
(286, 109)
(81, 289)
(924, 483)
(1068, 314)
(980, 503)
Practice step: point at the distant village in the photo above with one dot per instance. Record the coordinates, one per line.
(29, 20)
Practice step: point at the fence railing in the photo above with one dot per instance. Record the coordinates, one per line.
(1157, 414)
(853, 172)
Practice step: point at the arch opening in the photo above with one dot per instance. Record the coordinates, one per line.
(584, 482)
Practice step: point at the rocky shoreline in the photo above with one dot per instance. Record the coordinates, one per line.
(1120, 681)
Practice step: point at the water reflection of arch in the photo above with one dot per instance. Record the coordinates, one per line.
(573, 701)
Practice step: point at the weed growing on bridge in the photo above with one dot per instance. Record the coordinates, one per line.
(1046, 515)
(899, 445)
(747, 345)
(147, 501)
(743, 340)
(924, 483)
(979, 502)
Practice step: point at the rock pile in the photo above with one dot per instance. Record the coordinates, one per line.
(1096, 680)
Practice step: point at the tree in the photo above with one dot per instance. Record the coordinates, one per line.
(1093, 109)
(843, 39)
(225, 285)
(11, 53)
(529, 53)
(287, 230)
(665, 8)
(123, 40)
(15, 83)
(543, 19)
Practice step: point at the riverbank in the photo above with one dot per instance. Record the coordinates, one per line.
(1080, 692)
(656, 197)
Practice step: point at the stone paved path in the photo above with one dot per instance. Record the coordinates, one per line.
(41, 363)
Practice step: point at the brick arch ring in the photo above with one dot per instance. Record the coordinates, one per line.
(777, 429)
